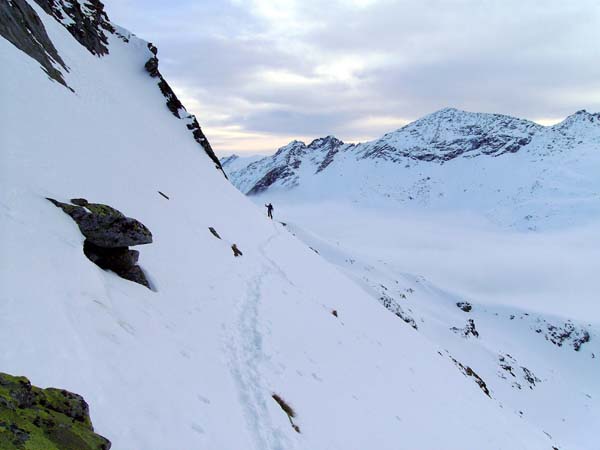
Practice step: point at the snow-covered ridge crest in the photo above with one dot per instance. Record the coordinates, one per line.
(88, 24)
(513, 170)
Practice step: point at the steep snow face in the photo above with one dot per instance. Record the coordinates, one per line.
(195, 362)
(514, 172)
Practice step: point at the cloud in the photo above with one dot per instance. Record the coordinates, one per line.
(282, 70)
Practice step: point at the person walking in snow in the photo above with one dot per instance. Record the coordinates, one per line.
(269, 210)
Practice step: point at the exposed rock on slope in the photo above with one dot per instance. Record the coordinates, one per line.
(49, 419)
(22, 27)
(108, 236)
(86, 21)
(177, 108)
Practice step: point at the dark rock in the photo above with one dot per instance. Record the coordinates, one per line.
(88, 22)
(105, 226)
(469, 329)
(177, 108)
(332, 145)
(21, 26)
(152, 67)
(57, 418)
(288, 410)
(468, 371)
(567, 332)
(530, 376)
(334, 313)
(465, 306)
(79, 201)
(236, 251)
(214, 232)
(108, 234)
(164, 195)
(135, 274)
(115, 259)
(393, 305)
(273, 175)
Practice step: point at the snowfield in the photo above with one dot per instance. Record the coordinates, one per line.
(518, 308)
(194, 363)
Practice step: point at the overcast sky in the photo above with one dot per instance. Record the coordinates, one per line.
(260, 73)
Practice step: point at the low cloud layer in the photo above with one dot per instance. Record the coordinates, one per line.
(259, 73)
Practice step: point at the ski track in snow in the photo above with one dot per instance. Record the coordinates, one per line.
(247, 356)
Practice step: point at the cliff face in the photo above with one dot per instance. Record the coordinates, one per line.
(22, 27)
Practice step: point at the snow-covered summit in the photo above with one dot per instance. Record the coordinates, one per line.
(450, 133)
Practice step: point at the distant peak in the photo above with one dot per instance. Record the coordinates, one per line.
(578, 117)
(327, 140)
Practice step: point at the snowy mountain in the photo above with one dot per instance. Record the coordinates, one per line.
(512, 170)
(184, 345)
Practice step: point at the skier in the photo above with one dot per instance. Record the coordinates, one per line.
(269, 207)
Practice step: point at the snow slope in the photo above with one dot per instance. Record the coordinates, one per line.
(534, 358)
(514, 172)
(194, 363)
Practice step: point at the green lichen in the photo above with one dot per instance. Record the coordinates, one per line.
(44, 419)
(104, 210)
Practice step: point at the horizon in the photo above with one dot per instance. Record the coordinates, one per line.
(258, 75)
(250, 153)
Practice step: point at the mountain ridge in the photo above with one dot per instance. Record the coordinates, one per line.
(439, 160)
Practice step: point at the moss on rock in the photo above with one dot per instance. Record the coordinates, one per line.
(44, 419)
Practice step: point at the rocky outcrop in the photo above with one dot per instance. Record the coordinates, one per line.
(177, 108)
(469, 372)
(214, 232)
(566, 333)
(236, 251)
(109, 233)
(391, 304)
(105, 226)
(49, 419)
(272, 176)
(468, 330)
(465, 306)
(86, 21)
(519, 376)
(332, 145)
(21, 26)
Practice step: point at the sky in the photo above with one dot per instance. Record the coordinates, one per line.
(261, 73)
